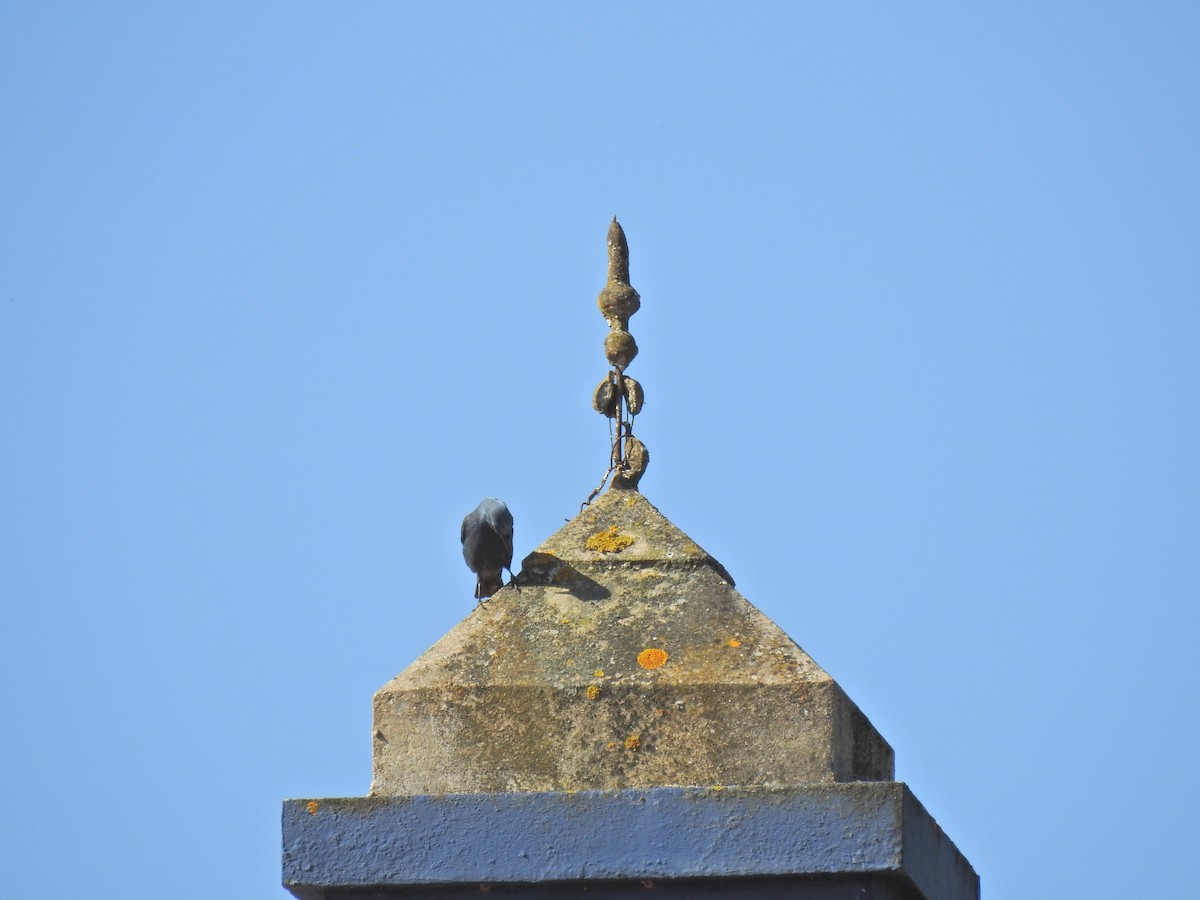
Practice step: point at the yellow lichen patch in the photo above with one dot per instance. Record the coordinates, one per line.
(312, 807)
(652, 658)
(593, 691)
(610, 540)
(564, 621)
(599, 673)
(633, 742)
(734, 642)
(611, 745)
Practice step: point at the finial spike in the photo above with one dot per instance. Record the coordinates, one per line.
(618, 254)
(618, 300)
(618, 396)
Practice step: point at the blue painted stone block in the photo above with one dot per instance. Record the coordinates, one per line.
(828, 836)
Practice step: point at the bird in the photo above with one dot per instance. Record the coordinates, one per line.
(487, 534)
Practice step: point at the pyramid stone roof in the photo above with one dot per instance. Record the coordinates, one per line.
(620, 656)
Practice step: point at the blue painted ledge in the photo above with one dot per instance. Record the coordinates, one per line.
(858, 829)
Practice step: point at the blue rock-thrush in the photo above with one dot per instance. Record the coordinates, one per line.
(487, 535)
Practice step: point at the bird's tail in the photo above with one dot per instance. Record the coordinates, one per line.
(486, 585)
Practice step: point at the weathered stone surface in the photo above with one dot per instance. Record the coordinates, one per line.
(809, 841)
(624, 657)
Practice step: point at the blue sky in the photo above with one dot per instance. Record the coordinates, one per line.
(285, 289)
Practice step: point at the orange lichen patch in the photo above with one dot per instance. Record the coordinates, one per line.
(599, 673)
(734, 642)
(633, 742)
(312, 807)
(610, 540)
(652, 658)
(611, 745)
(660, 712)
(593, 691)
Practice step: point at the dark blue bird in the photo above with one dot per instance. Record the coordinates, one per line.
(487, 535)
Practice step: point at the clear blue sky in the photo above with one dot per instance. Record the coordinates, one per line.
(286, 288)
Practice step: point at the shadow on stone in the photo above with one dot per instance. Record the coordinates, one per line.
(546, 569)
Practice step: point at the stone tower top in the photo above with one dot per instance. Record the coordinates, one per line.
(617, 718)
(621, 656)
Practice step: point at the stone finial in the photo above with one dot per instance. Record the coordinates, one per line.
(618, 396)
(618, 300)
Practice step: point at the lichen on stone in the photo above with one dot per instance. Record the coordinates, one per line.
(610, 540)
(652, 658)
